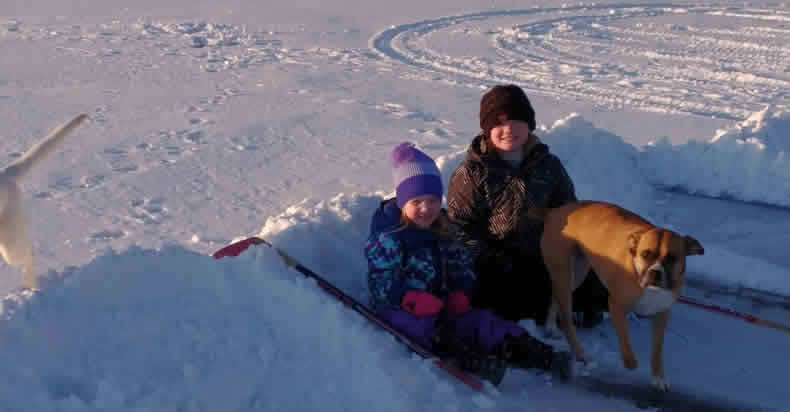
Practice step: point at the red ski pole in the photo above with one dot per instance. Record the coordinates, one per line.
(729, 312)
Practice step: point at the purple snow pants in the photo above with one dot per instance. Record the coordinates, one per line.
(478, 328)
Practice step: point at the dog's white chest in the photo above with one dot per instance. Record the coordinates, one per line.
(654, 300)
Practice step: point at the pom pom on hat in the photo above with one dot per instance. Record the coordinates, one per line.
(414, 174)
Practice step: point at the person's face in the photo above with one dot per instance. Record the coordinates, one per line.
(509, 135)
(423, 210)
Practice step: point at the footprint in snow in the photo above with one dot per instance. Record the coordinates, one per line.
(401, 112)
(148, 211)
(107, 235)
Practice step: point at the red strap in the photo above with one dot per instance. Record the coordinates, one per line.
(235, 249)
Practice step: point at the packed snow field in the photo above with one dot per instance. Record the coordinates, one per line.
(665, 58)
(210, 123)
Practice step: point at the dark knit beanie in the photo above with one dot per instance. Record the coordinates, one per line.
(505, 99)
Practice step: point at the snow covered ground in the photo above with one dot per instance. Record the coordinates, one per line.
(212, 121)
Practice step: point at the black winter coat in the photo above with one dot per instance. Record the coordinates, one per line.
(489, 199)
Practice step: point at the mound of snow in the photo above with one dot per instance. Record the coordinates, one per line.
(746, 162)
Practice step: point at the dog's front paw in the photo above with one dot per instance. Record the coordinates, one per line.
(629, 361)
(660, 383)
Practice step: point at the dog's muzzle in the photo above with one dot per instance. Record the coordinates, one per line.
(658, 277)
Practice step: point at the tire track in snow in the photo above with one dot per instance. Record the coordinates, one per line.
(659, 57)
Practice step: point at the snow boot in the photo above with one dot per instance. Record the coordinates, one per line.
(527, 352)
(491, 367)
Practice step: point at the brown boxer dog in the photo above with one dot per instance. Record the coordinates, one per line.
(642, 265)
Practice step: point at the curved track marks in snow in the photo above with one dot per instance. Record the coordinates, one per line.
(661, 58)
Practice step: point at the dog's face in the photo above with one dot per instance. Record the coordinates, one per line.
(660, 257)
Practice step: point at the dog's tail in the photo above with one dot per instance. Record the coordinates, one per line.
(22, 166)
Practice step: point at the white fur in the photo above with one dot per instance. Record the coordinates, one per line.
(660, 383)
(653, 300)
(16, 246)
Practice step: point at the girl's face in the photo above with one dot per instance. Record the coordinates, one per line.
(423, 210)
(509, 135)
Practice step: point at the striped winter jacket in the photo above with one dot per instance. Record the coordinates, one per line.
(403, 259)
(489, 199)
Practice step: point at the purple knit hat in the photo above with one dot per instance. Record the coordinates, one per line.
(414, 174)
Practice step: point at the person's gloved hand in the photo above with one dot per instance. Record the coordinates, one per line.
(420, 303)
(457, 303)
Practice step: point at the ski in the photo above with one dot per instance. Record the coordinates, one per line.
(236, 248)
(646, 397)
(754, 297)
(703, 295)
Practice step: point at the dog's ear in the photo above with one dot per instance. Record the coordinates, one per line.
(693, 247)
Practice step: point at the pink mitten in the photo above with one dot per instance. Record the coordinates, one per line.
(420, 303)
(457, 303)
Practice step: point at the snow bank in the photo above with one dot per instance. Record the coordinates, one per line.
(748, 161)
(174, 330)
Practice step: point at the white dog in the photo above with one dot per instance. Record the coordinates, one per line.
(16, 246)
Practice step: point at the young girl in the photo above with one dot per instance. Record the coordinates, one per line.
(421, 279)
